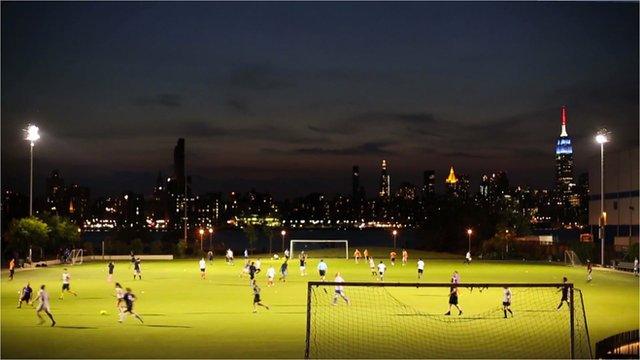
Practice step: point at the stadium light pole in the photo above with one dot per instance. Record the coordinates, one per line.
(210, 238)
(32, 136)
(283, 233)
(601, 138)
(469, 232)
(201, 232)
(395, 234)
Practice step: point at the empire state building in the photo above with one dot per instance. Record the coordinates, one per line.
(564, 164)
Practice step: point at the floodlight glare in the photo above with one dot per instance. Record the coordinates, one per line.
(32, 133)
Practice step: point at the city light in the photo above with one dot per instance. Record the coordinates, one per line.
(201, 232)
(32, 134)
(469, 231)
(602, 138)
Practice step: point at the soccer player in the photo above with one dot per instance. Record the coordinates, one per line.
(133, 260)
(284, 271)
(66, 284)
(565, 293)
(43, 297)
(453, 300)
(286, 254)
(119, 297)
(203, 268)
(137, 271)
(303, 263)
(405, 257)
(506, 302)
(12, 268)
(356, 255)
(258, 265)
(635, 267)
(589, 271)
(210, 256)
(392, 258)
(129, 298)
(366, 254)
(372, 267)
(271, 274)
(25, 295)
(252, 272)
(229, 257)
(256, 297)
(339, 290)
(467, 258)
(110, 273)
(420, 268)
(381, 269)
(246, 254)
(322, 269)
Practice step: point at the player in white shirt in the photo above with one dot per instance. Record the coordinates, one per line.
(66, 284)
(322, 269)
(43, 297)
(271, 274)
(420, 268)
(339, 290)
(381, 269)
(258, 265)
(635, 267)
(467, 258)
(203, 268)
(229, 257)
(506, 302)
(286, 254)
(119, 298)
(372, 266)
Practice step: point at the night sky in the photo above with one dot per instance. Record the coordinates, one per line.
(288, 97)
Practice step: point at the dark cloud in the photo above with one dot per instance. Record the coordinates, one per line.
(237, 104)
(367, 149)
(258, 77)
(164, 100)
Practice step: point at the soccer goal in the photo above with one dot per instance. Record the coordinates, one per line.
(407, 320)
(571, 258)
(77, 256)
(326, 248)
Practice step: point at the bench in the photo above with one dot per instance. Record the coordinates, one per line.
(626, 266)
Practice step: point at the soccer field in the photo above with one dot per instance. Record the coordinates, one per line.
(186, 317)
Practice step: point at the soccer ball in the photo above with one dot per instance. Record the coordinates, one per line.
(103, 312)
(275, 257)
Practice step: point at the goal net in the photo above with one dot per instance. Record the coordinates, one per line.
(320, 248)
(404, 320)
(571, 258)
(77, 256)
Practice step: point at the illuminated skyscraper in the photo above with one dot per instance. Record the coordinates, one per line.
(385, 181)
(451, 182)
(428, 183)
(564, 164)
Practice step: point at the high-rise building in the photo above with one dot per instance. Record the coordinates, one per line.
(451, 182)
(494, 187)
(77, 199)
(385, 181)
(355, 183)
(564, 164)
(463, 187)
(55, 193)
(428, 183)
(179, 166)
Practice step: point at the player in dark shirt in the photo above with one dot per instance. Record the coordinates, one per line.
(565, 293)
(110, 266)
(136, 269)
(283, 271)
(253, 270)
(129, 298)
(25, 295)
(589, 270)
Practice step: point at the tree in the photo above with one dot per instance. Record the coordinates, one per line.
(252, 236)
(27, 232)
(63, 233)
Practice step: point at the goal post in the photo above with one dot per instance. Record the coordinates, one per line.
(322, 243)
(77, 256)
(571, 258)
(408, 320)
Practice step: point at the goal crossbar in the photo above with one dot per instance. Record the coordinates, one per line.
(576, 324)
(297, 241)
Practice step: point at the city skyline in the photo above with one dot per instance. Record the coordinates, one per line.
(294, 117)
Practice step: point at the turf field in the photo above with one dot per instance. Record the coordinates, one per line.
(186, 317)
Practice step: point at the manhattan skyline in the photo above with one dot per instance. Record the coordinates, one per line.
(287, 98)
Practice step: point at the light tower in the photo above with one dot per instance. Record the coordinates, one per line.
(32, 136)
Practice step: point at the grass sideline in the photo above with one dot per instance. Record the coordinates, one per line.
(186, 317)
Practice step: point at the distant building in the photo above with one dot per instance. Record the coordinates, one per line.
(55, 193)
(621, 200)
(385, 181)
(463, 188)
(77, 199)
(429, 183)
(451, 182)
(494, 186)
(564, 164)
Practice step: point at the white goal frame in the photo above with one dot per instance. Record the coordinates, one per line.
(571, 258)
(77, 256)
(295, 241)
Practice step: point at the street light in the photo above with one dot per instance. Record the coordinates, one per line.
(201, 232)
(602, 138)
(469, 232)
(283, 233)
(395, 234)
(210, 238)
(32, 136)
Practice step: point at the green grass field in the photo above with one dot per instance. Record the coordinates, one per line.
(186, 317)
